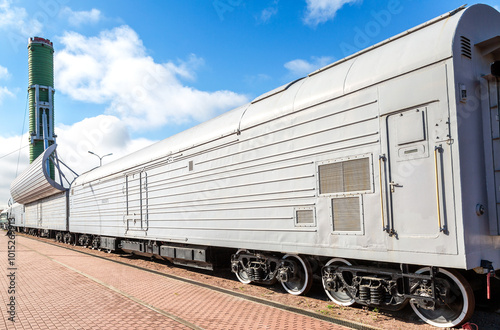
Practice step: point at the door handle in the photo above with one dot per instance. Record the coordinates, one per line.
(394, 185)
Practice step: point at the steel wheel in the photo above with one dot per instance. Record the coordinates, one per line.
(301, 281)
(460, 300)
(242, 274)
(339, 297)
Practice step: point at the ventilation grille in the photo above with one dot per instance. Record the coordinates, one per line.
(466, 47)
(346, 214)
(346, 176)
(304, 217)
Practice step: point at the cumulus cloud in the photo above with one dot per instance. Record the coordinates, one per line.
(300, 68)
(102, 134)
(4, 73)
(114, 69)
(12, 162)
(16, 20)
(78, 18)
(5, 92)
(321, 11)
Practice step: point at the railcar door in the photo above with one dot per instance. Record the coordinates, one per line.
(415, 192)
(136, 191)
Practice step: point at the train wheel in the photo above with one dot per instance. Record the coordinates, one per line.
(68, 238)
(301, 280)
(456, 303)
(340, 297)
(242, 274)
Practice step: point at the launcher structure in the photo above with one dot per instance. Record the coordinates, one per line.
(44, 178)
(41, 97)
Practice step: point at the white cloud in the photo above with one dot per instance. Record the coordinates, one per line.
(77, 18)
(4, 92)
(114, 69)
(268, 12)
(321, 11)
(300, 68)
(16, 20)
(102, 134)
(9, 156)
(4, 73)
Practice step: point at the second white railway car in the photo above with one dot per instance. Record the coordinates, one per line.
(380, 172)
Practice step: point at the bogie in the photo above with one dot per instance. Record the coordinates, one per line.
(454, 302)
(337, 294)
(292, 271)
(440, 297)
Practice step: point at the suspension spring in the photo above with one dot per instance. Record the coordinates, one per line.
(364, 293)
(376, 295)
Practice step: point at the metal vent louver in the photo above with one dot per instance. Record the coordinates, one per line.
(465, 47)
(346, 214)
(347, 176)
(304, 217)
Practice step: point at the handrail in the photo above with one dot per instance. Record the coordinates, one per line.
(438, 202)
(380, 158)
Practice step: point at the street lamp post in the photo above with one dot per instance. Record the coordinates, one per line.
(100, 158)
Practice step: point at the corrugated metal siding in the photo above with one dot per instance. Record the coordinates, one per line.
(35, 183)
(239, 192)
(48, 213)
(17, 211)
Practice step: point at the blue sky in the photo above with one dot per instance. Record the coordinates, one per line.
(129, 73)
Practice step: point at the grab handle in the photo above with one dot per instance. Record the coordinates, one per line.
(380, 159)
(438, 201)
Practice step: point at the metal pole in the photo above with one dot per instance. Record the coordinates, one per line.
(100, 158)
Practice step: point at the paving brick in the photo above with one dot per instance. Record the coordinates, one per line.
(57, 288)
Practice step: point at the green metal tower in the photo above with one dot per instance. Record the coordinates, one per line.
(41, 96)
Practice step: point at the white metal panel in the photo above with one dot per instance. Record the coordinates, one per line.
(418, 49)
(417, 88)
(35, 183)
(242, 193)
(48, 213)
(325, 86)
(481, 25)
(17, 213)
(271, 108)
(32, 215)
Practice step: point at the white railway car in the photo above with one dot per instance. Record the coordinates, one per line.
(13, 216)
(44, 200)
(379, 172)
(4, 219)
(17, 215)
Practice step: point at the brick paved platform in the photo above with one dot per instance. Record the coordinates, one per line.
(56, 288)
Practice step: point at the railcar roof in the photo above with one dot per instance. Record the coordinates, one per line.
(421, 46)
